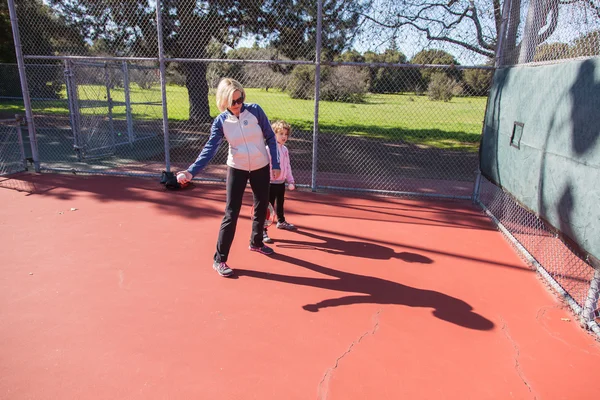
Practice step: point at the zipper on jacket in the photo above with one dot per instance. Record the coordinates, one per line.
(246, 143)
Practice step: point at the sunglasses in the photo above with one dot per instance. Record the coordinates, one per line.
(239, 101)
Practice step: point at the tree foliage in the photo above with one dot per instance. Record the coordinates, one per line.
(191, 26)
(435, 57)
(386, 79)
(551, 51)
(477, 81)
(587, 45)
(442, 87)
(41, 33)
(471, 24)
(475, 25)
(264, 76)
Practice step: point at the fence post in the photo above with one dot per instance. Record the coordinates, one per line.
(163, 88)
(109, 100)
(130, 133)
(18, 122)
(313, 184)
(24, 86)
(73, 109)
(475, 195)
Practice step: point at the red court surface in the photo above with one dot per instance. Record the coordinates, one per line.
(371, 299)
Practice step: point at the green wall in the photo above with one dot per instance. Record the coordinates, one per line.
(555, 172)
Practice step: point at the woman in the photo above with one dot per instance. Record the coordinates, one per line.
(246, 128)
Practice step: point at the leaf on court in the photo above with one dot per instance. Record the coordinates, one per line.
(565, 319)
(60, 212)
(73, 209)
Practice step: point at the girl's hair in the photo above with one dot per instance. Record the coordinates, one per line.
(225, 92)
(281, 125)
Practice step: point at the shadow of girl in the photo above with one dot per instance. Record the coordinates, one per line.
(352, 248)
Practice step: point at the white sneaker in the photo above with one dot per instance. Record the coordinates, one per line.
(286, 225)
(266, 238)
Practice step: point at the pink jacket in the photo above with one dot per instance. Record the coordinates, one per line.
(284, 162)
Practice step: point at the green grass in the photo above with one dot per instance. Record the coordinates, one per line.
(395, 117)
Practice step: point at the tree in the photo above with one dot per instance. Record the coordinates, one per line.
(551, 51)
(350, 56)
(587, 45)
(258, 75)
(478, 81)
(474, 25)
(344, 83)
(386, 79)
(459, 22)
(293, 23)
(190, 26)
(41, 33)
(442, 87)
(302, 81)
(7, 47)
(436, 57)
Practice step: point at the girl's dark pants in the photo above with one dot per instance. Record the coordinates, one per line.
(276, 197)
(236, 185)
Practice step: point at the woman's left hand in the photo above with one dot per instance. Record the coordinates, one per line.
(276, 173)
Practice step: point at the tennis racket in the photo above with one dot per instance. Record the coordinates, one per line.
(270, 217)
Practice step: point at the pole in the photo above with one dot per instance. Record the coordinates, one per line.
(24, 87)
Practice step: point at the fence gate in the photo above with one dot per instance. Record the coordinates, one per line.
(101, 108)
(92, 107)
(12, 150)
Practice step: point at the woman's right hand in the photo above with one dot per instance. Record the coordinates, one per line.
(184, 177)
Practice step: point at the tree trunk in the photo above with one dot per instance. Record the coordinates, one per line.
(537, 19)
(510, 52)
(533, 23)
(198, 92)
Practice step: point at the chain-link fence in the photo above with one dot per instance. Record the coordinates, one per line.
(567, 270)
(12, 149)
(537, 34)
(375, 119)
(538, 31)
(383, 96)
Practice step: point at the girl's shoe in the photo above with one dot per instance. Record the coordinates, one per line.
(266, 250)
(266, 238)
(286, 225)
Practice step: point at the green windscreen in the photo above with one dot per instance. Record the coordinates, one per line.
(541, 143)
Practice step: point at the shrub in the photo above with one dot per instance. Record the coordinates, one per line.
(345, 84)
(478, 81)
(145, 78)
(442, 87)
(302, 82)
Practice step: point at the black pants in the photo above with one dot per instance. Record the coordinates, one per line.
(236, 185)
(276, 197)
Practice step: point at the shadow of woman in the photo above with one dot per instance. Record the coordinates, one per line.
(375, 291)
(352, 248)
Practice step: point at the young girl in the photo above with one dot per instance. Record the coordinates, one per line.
(277, 189)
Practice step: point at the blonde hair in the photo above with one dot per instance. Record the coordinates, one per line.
(225, 90)
(281, 125)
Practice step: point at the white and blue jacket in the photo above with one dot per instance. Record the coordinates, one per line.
(246, 136)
